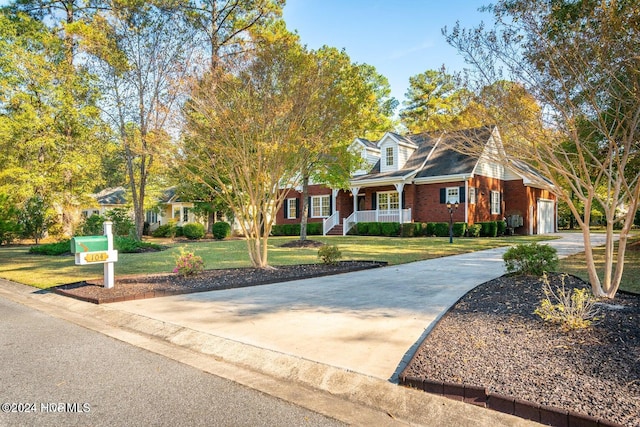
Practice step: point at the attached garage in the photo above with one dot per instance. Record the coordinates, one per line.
(546, 216)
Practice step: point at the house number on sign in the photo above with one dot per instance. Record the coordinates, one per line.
(96, 257)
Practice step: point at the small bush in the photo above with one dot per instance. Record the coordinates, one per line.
(362, 228)
(193, 231)
(459, 229)
(489, 229)
(188, 264)
(221, 230)
(501, 227)
(572, 309)
(130, 245)
(430, 229)
(441, 229)
(474, 230)
(314, 228)
(329, 254)
(411, 229)
(389, 229)
(58, 248)
(165, 230)
(530, 258)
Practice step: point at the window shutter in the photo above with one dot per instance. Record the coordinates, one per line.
(443, 195)
(286, 209)
(330, 205)
(462, 195)
(309, 208)
(404, 200)
(500, 202)
(374, 201)
(297, 207)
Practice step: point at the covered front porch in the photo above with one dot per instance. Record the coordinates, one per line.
(387, 205)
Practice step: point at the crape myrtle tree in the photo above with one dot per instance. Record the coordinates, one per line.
(245, 126)
(347, 100)
(578, 60)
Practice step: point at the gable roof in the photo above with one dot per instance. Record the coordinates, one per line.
(433, 157)
(111, 196)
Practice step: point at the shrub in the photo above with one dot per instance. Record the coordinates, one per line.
(314, 228)
(329, 254)
(362, 228)
(122, 223)
(530, 258)
(58, 248)
(474, 230)
(221, 230)
(441, 229)
(459, 228)
(430, 229)
(130, 245)
(411, 229)
(188, 264)
(193, 231)
(501, 227)
(489, 229)
(93, 226)
(389, 228)
(572, 309)
(373, 229)
(165, 230)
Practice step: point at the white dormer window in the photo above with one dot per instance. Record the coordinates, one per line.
(389, 156)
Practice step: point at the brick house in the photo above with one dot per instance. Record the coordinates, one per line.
(411, 178)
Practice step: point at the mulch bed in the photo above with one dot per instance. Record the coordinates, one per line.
(128, 288)
(491, 338)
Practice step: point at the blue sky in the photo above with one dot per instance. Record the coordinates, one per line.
(401, 38)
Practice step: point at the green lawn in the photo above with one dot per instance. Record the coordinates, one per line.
(631, 274)
(45, 271)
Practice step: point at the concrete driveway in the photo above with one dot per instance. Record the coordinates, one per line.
(369, 322)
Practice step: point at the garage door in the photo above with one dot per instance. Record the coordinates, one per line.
(546, 210)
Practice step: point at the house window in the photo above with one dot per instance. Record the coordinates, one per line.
(453, 195)
(389, 156)
(185, 214)
(388, 201)
(495, 202)
(152, 217)
(472, 195)
(292, 212)
(320, 207)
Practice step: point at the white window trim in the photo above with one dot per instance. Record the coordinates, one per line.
(472, 195)
(321, 206)
(388, 203)
(451, 198)
(291, 203)
(389, 152)
(495, 202)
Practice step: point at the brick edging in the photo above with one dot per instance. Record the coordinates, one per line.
(479, 396)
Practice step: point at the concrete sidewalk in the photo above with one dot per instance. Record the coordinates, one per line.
(369, 322)
(333, 344)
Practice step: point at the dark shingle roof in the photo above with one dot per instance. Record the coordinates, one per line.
(111, 196)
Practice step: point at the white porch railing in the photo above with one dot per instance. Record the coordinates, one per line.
(392, 215)
(329, 223)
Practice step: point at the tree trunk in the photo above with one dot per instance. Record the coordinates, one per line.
(305, 207)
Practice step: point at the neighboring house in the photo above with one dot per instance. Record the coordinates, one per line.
(412, 178)
(169, 207)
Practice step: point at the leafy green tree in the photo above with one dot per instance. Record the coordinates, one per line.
(36, 217)
(9, 220)
(345, 99)
(573, 58)
(50, 126)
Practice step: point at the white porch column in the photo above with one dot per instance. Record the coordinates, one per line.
(466, 202)
(399, 187)
(334, 200)
(354, 193)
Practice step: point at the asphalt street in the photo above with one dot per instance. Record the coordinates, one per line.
(56, 373)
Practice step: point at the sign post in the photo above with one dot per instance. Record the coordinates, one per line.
(97, 250)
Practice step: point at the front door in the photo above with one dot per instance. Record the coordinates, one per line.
(361, 206)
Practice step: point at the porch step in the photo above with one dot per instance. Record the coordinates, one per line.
(335, 231)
